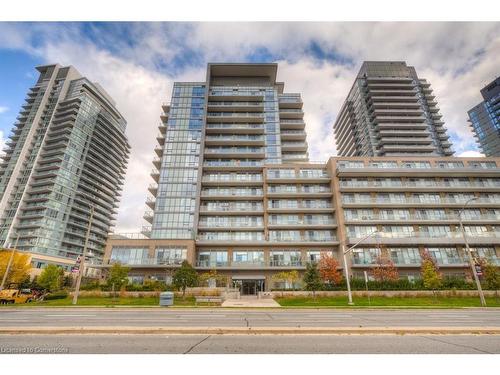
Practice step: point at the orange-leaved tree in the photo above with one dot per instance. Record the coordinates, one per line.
(385, 270)
(328, 270)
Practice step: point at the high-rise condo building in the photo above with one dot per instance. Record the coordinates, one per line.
(67, 154)
(390, 111)
(235, 193)
(484, 119)
(214, 135)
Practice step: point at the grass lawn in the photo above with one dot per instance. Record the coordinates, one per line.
(110, 302)
(419, 302)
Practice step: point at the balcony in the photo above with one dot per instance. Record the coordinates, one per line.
(416, 186)
(256, 106)
(427, 238)
(150, 202)
(155, 174)
(153, 189)
(231, 209)
(286, 113)
(402, 171)
(481, 202)
(230, 117)
(234, 152)
(233, 164)
(234, 128)
(292, 135)
(444, 219)
(159, 151)
(148, 216)
(233, 194)
(146, 263)
(214, 180)
(235, 140)
(294, 146)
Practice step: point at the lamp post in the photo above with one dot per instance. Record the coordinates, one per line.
(9, 264)
(344, 253)
(84, 255)
(469, 253)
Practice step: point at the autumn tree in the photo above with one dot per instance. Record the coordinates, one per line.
(385, 270)
(186, 276)
(429, 271)
(312, 278)
(19, 268)
(287, 277)
(328, 270)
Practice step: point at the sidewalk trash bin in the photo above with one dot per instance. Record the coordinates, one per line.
(166, 299)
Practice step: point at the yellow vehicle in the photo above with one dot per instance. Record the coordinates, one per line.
(15, 296)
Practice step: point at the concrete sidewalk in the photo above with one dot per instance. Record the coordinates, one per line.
(250, 302)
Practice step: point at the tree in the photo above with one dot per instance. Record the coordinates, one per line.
(429, 270)
(186, 276)
(385, 270)
(213, 275)
(312, 279)
(289, 278)
(118, 276)
(19, 268)
(491, 277)
(51, 278)
(328, 270)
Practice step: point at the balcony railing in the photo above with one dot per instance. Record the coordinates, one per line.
(422, 218)
(408, 184)
(418, 201)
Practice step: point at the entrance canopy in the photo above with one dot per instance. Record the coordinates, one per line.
(248, 277)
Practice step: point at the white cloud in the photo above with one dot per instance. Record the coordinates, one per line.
(471, 154)
(3, 109)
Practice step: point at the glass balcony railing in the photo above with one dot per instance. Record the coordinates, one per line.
(421, 217)
(416, 201)
(235, 163)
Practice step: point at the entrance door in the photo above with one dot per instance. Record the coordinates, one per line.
(251, 287)
(248, 287)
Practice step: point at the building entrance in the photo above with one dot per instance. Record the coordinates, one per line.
(249, 287)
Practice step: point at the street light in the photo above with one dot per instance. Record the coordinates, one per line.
(84, 255)
(469, 253)
(344, 252)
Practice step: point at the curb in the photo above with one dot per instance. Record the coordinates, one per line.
(256, 330)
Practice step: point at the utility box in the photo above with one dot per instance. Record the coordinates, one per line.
(166, 299)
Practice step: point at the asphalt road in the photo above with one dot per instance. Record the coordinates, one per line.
(139, 317)
(250, 344)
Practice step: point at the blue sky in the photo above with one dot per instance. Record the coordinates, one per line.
(138, 62)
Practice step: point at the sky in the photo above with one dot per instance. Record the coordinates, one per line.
(137, 64)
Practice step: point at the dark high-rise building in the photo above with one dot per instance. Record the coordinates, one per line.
(390, 111)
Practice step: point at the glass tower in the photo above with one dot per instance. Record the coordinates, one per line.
(215, 137)
(484, 119)
(67, 154)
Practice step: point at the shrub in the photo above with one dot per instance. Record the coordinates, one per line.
(51, 278)
(93, 285)
(56, 295)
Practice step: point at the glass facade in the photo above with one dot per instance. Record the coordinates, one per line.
(75, 153)
(175, 204)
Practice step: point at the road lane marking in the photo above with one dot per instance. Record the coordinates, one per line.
(201, 315)
(69, 315)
